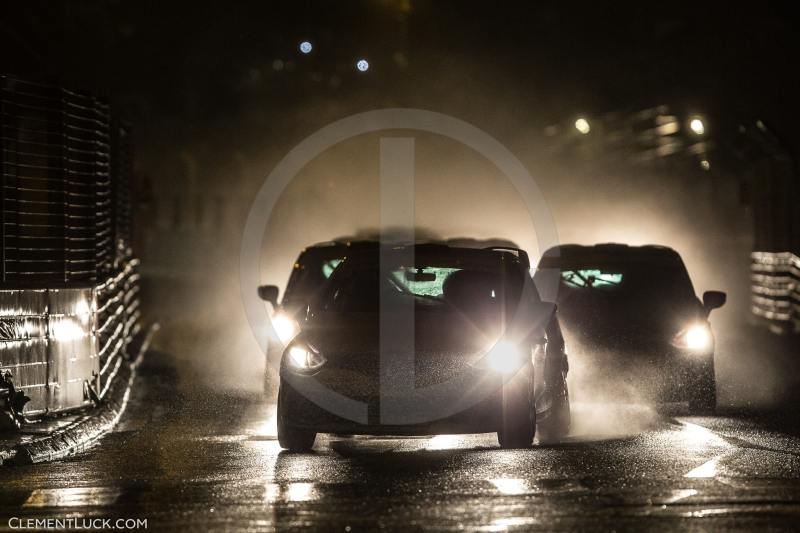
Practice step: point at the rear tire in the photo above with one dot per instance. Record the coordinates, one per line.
(557, 425)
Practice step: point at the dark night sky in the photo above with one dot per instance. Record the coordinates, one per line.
(190, 66)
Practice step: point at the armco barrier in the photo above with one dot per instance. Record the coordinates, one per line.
(62, 344)
(775, 289)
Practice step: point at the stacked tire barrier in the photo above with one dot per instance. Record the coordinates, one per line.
(68, 281)
(776, 290)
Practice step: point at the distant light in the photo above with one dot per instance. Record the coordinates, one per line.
(705, 164)
(362, 65)
(697, 126)
(582, 125)
(306, 47)
(668, 127)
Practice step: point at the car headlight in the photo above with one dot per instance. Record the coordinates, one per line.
(696, 338)
(285, 327)
(301, 357)
(504, 357)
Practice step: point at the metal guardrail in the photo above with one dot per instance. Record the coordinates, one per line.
(775, 286)
(117, 316)
(60, 343)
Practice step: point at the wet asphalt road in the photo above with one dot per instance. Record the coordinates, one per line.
(205, 460)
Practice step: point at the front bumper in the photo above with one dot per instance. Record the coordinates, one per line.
(480, 410)
(662, 375)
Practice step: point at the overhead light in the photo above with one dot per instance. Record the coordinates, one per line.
(306, 47)
(582, 125)
(697, 126)
(362, 65)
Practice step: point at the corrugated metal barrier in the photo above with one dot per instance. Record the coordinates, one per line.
(59, 343)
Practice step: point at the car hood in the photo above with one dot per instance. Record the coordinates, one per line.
(443, 343)
(626, 324)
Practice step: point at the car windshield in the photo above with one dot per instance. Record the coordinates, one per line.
(592, 278)
(632, 281)
(446, 286)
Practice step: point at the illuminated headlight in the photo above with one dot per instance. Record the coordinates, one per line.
(697, 338)
(285, 327)
(303, 358)
(504, 357)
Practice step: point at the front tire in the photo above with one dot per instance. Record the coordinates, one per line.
(519, 416)
(293, 438)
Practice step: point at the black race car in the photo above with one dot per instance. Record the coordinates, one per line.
(633, 315)
(426, 339)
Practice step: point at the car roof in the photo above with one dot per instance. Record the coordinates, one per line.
(326, 245)
(332, 248)
(566, 254)
(433, 249)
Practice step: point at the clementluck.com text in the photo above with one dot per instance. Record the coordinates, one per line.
(61, 524)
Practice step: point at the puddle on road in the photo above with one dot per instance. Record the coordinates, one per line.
(73, 497)
(511, 486)
(445, 442)
(512, 522)
(291, 492)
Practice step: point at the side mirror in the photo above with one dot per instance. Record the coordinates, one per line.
(714, 300)
(269, 293)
